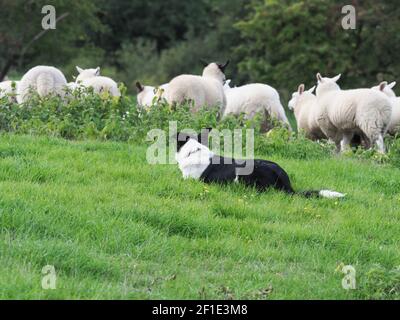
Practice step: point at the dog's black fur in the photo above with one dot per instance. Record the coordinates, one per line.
(266, 174)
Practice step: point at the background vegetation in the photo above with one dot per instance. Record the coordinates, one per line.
(282, 43)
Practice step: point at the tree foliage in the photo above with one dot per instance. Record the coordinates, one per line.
(24, 43)
(282, 43)
(287, 42)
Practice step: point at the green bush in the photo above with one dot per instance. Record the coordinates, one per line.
(86, 115)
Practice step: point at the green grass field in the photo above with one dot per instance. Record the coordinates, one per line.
(116, 227)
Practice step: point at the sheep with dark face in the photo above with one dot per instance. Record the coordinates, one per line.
(202, 91)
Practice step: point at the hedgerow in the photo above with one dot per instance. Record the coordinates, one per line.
(86, 115)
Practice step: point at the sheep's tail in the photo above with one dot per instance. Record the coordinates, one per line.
(329, 194)
(115, 91)
(45, 84)
(112, 90)
(276, 110)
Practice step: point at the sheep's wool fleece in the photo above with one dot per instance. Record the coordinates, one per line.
(307, 112)
(42, 79)
(252, 99)
(102, 84)
(366, 109)
(205, 90)
(146, 97)
(394, 125)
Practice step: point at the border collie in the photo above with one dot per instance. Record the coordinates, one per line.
(198, 162)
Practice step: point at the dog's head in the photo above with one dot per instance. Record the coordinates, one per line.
(182, 138)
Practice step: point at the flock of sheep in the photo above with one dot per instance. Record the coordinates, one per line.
(330, 113)
(45, 80)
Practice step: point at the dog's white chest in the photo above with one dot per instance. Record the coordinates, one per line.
(193, 171)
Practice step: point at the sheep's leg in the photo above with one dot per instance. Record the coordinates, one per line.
(361, 140)
(380, 144)
(376, 139)
(346, 141)
(330, 131)
(337, 144)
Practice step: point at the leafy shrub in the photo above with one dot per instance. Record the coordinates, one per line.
(86, 115)
(279, 141)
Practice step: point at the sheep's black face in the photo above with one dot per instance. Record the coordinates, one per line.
(222, 67)
(139, 87)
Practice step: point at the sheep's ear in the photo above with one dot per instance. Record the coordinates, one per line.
(392, 85)
(222, 67)
(80, 70)
(139, 87)
(301, 89)
(337, 78)
(319, 77)
(311, 90)
(97, 71)
(383, 85)
(204, 63)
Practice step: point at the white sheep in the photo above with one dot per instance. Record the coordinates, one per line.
(90, 78)
(86, 74)
(344, 113)
(253, 99)
(306, 111)
(9, 88)
(44, 80)
(203, 91)
(147, 95)
(72, 86)
(394, 126)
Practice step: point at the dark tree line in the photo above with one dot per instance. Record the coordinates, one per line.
(282, 43)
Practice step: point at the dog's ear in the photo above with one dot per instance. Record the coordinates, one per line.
(181, 139)
(203, 136)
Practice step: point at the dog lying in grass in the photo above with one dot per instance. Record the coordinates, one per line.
(198, 162)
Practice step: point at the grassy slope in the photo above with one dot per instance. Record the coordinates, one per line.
(116, 227)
